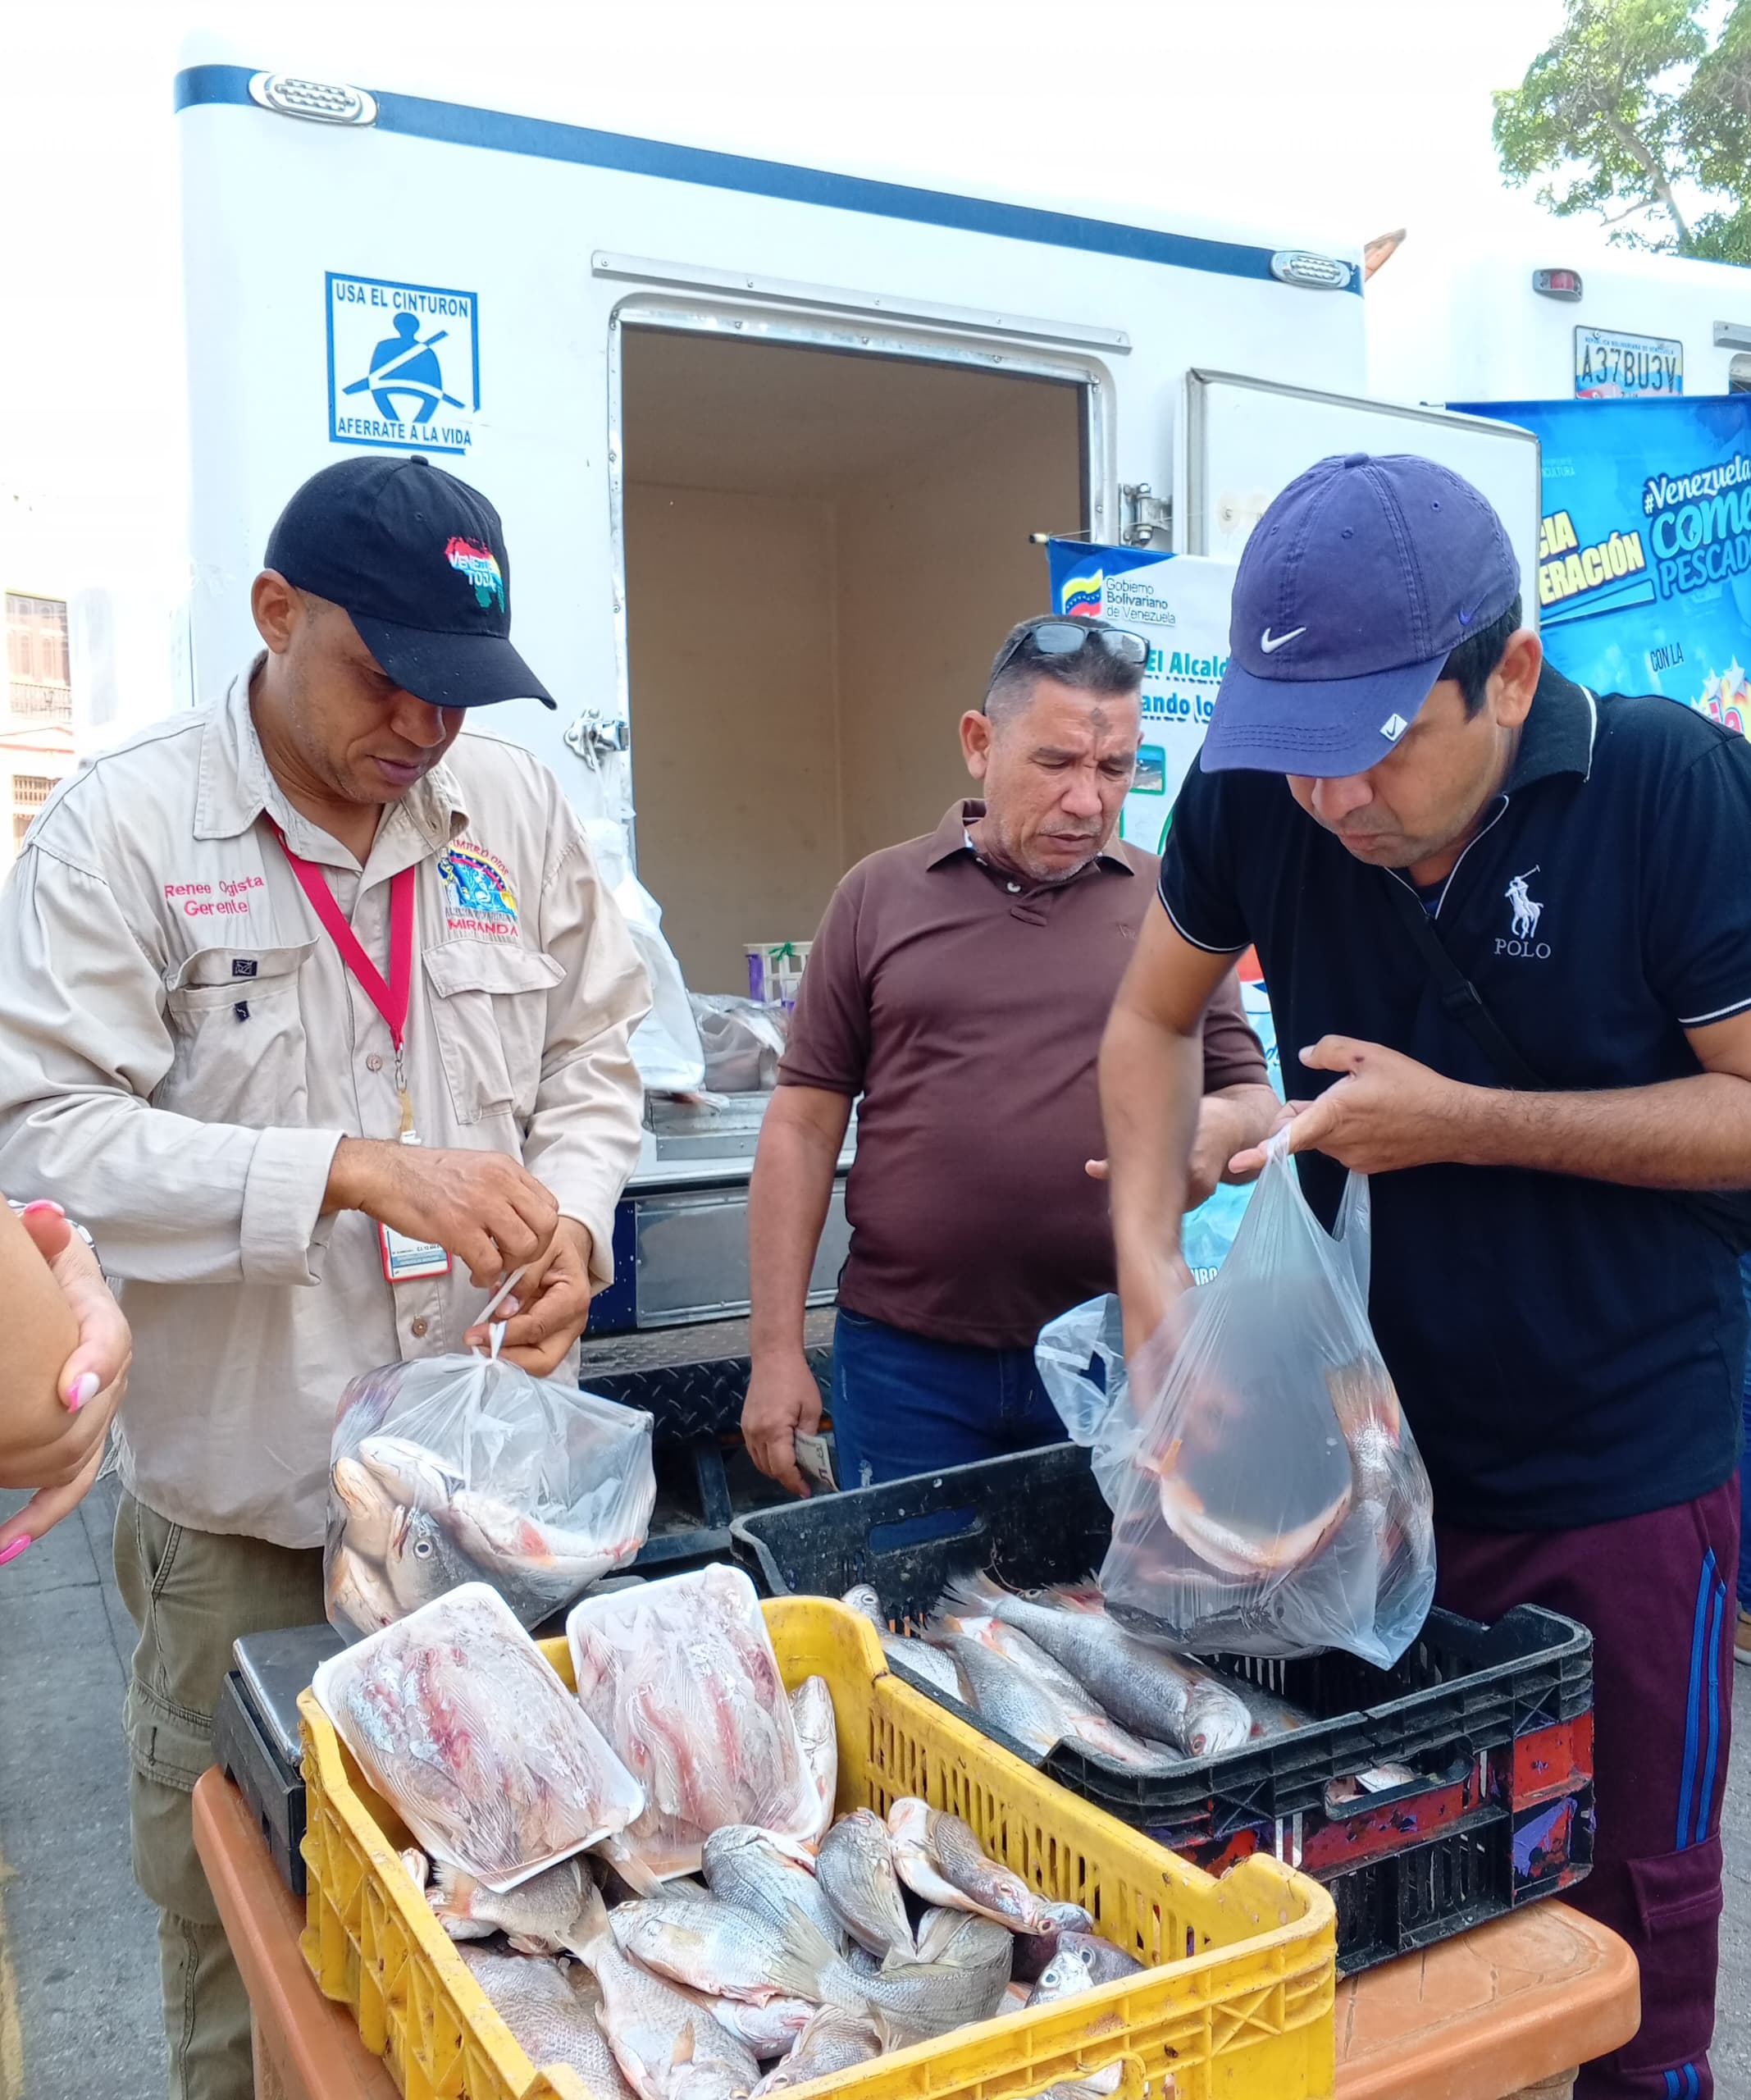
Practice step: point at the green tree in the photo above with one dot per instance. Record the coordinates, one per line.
(1627, 107)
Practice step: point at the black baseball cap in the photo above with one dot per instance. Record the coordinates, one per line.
(417, 559)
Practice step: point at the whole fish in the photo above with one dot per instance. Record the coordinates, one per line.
(936, 1668)
(1082, 1721)
(834, 2040)
(1142, 1686)
(1224, 1541)
(1007, 1697)
(551, 2016)
(1082, 1960)
(940, 1859)
(415, 1477)
(366, 1505)
(746, 1867)
(667, 2046)
(818, 1737)
(537, 1916)
(711, 1946)
(359, 1591)
(855, 1870)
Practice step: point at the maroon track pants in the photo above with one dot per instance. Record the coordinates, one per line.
(1658, 1592)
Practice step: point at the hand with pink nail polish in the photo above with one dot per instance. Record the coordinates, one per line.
(63, 1374)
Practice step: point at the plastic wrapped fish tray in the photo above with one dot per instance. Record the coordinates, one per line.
(1495, 1721)
(1238, 2001)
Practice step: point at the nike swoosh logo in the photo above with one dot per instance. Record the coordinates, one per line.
(1270, 642)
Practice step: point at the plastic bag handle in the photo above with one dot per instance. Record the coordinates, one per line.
(495, 1328)
(1277, 1144)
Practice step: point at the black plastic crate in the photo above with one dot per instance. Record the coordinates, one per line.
(1496, 1721)
(1477, 1871)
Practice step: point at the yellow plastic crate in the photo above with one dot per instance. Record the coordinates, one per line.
(1238, 2001)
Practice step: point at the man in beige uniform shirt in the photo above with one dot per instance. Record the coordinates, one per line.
(242, 956)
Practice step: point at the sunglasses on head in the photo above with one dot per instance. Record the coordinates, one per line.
(1053, 638)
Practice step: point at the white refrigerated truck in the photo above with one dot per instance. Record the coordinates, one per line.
(1563, 316)
(769, 443)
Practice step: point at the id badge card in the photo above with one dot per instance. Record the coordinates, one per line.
(405, 1259)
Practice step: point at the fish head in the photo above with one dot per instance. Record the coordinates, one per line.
(1070, 1970)
(1216, 1720)
(421, 1563)
(863, 1599)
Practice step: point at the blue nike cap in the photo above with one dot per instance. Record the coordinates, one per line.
(1356, 585)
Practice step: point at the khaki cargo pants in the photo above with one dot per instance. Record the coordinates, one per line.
(191, 1595)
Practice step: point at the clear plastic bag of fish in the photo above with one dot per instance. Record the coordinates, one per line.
(457, 1719)
(1275, 1502)
(680, 1678)
(455, 1469)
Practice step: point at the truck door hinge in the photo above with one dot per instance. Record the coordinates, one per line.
(594, 736)
(1142, 514)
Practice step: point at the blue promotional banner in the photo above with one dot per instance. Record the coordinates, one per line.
(1180, 604)
(1645, 548)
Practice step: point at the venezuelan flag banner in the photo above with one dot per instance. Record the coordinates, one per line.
(1179, 604)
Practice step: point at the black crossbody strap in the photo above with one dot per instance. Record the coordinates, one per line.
(1726, 1211)
(1459, 996)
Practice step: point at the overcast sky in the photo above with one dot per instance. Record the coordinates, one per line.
(1338, 118)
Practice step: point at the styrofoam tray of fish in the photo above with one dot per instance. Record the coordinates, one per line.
(456, 1715)
(948, 1917)
(672, 1671)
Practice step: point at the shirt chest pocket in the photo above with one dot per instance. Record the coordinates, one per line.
(489, 1016)
(237, 1026)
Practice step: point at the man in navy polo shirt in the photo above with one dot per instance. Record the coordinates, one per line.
(1509, 919)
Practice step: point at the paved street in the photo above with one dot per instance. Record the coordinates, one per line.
(78, 2000)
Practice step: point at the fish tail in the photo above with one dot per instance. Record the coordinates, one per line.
(943, 1627)
(453, 1890)
(976, 1594)
(804, 1956)
(629, 1866)
(590, 1932)
(1073, 1596)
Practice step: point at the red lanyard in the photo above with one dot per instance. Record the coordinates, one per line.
(390, 999)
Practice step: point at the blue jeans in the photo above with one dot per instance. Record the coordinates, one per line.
(902, 1404)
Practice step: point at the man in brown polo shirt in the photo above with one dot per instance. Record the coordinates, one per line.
(959, 984)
